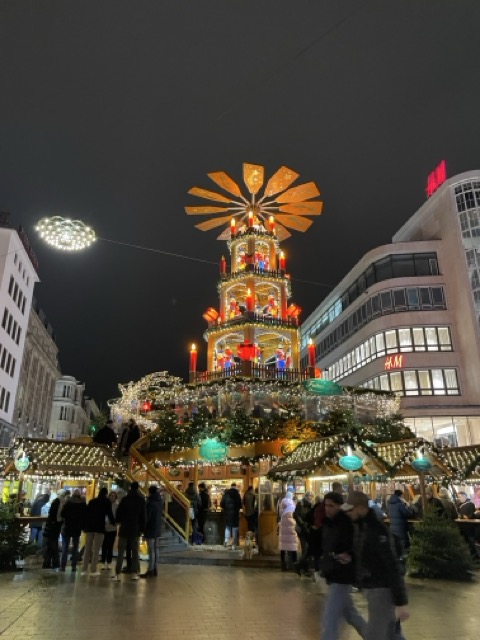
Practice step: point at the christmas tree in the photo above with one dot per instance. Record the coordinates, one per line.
(438, 550)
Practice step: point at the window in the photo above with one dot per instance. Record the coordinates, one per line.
(425, 383)
(444, 338)
(386, 298)
(419, 339)
(414, 383)
(403, 265)
(405, 339)
(425, 297)
(431, 337)
(383, 269)
(411, 383)
(391, 341)
(412, 299)
(10, 286)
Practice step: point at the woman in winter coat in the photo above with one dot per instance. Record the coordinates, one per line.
(153, 529)
(288, 539)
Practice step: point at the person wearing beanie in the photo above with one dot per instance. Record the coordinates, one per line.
(98, 510)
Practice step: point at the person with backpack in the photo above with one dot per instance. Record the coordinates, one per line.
(301, 517)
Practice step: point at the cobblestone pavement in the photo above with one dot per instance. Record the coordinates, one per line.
(206, 603)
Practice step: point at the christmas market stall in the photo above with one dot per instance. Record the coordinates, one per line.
(376, 468)
(37, 466)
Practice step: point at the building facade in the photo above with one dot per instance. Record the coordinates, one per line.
(17, 279)
(406, 318)
(38, 374)
(72, 411)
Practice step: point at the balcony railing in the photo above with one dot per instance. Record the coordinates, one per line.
(249, 369)
(250, 317)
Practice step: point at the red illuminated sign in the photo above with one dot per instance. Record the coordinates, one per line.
(436, 178)
(394, 362)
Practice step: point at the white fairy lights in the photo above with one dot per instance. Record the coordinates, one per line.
(65, 234)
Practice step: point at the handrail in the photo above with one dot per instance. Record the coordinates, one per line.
(170, 488)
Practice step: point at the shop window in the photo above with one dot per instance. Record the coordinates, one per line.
(432, 340)
(425, 298)
(425, 383)
(438, 382)
(396, 381)
(386, 297)
(380, 344)
(384, 382)
(405, 339)
(411, 384)
(412, 298)
(391, 341)
(451, 381)
(403, 265)
(399, 300)
(444, 338)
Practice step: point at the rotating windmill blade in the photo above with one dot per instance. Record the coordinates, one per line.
(291, 206)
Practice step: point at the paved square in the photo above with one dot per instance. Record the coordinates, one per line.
(206, 603)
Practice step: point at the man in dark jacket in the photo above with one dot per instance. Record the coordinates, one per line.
(338, 569)
(377, 569)
(131, 516)
(51, 533)
(205, 504)
(73, 514)
(399, 513)
(94, 526)
(231, 504)
(36, 510)
(153, 529)
(106, 435)
(301, 516)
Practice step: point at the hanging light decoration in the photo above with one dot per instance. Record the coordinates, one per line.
(65, 234)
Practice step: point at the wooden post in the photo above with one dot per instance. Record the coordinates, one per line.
(350, 481)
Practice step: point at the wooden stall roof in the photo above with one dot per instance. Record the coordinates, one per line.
(465, 461)
(52, 457)
(390, 458)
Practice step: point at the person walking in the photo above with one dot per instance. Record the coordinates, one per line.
(287, 535)
(378, 570)
(153, 529)
(337, 566)
(110, 534)
(250, 509)
(205, 505)
(231, 504)
(99, 509)
(131, 516)
(106, 435)
(73, 512)
(301, 517)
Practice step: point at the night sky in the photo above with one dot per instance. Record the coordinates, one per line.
(111, 110)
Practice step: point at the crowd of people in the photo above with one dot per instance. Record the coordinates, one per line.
(104, 520)
(355, 543)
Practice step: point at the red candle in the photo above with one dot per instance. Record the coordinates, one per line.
(223, 265)
(311, 353)
(249, 300)
(193, 359)
(250, 218)
(271, 224)
(233, 229)
(282, 261)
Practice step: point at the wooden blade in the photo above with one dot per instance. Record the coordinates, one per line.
(211, 224)
(297, 194)
(282, 233)
(311, 208)
(225, 235)
(253, 176)
(209, 195)
(294, 222)
(280, 181)
(203, 211)
(223, 180)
